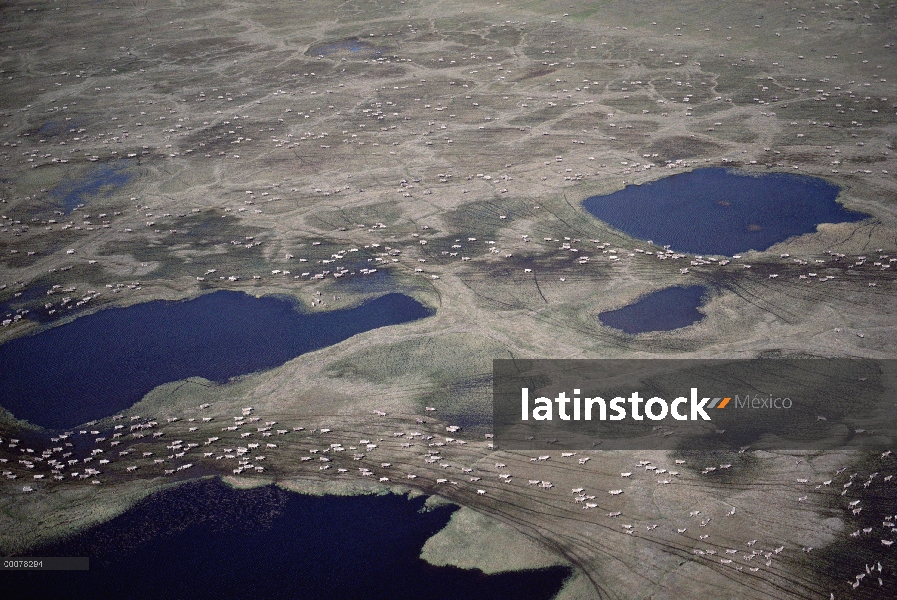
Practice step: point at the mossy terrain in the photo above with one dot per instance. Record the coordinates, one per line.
(330, 152)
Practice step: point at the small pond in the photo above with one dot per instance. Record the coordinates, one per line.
(722, 211)
(663, 310)
(102, 179)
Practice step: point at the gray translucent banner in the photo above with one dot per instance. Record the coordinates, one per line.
(761, 404)
(43, 563)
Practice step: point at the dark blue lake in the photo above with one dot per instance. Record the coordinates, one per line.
(102, 363)
(103, 179)
(206, 540)
(663, 310)
(722, 211)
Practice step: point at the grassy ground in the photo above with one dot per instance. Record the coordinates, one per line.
(272, 137)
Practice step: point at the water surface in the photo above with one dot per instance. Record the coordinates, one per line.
(103, 179)
(102, 363)
(353, 46)
(663, 310)
(206, 540)
(722, 211)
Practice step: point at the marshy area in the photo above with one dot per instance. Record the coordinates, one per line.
(337, 216)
